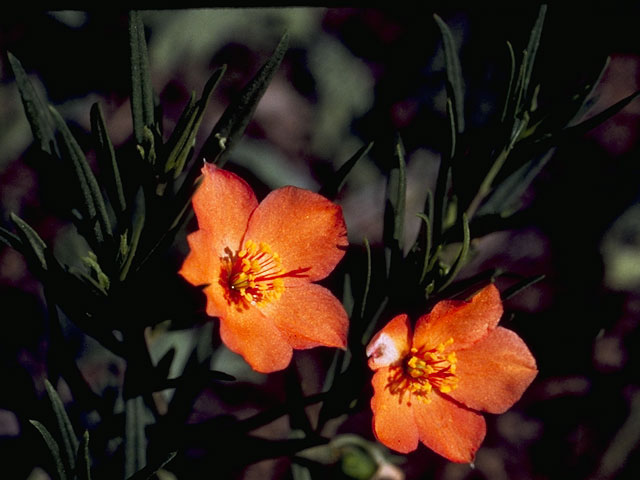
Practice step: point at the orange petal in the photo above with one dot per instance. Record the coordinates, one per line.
(465, 322)
(390, 344)
(494, 372)
(202, 263)
(304, 228)
(256, 338)
(448, 429)
(309, 315)
(393, 423)
(223, 204)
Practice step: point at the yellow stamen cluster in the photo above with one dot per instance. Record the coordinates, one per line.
(423, 370)
(253, 276)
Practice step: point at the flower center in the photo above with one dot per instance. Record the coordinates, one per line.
(253, 275)
(423, 370)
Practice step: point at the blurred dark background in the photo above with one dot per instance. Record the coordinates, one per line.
(352, 76)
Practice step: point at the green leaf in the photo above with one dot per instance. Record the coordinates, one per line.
(587, 98)
(512, 73)
(83, 460)
(35, 109)
(426, 235)
(142, 107)
(532, 48)
(134, 438)
(95, 208)
(106, 156)
(53, 447)
(29, 236)
(181, 142)
(455, 82)
(236, 117)
(505, 198)
(394, 209)
(150, 470)
(462, 256)
(137, 222)
(520, 286)
(367, 283)
(69, 439)
(10, 239)
(335, 183)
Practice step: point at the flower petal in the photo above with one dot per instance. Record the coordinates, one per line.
(494, 373)
(393, 423)
(390, 344)
(201, 263)
(448, 429)
(465, 322)
(304, 228)
(223, 204)
(256, 338)
(309, 315)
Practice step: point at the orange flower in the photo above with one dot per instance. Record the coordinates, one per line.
(259, 262)
(430, 386)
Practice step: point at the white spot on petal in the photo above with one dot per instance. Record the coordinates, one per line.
(382, 351)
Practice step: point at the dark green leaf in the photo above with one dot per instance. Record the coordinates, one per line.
(94, 203)
(106, 156)
(394, 209)
(587, 98)
(135, 443)
(142, 108)
(149, 471)
(512, 73)
(236, 117)
(335, 183)
(69, 439)
(83, 460)
(10, 239)
(28, 236)
(505, 198)
(53, 447)
(183, 136)
(520, 286)
(425, 234)
(367, 283)
(137, 223)
(580, 129)
(454, 73)
(35, 109)
(532, 48)
(462, 256)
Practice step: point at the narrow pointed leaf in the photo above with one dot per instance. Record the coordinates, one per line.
(520, 286)
(137, 222)
(335, 183)
(394, 209)
(10, 239)
(134, 437)
(367, 283)
(462, 256)
(69, 439)
(587, 99)
(35, 109)
(149, 471)
(236, 117)
(425, 233)
(29, 236)
(532, 48)
(583, 127)
(106, 156)
(95, 208)
(142, 107)
(512, 74)
(53, 447)
(183, 137)
(83, 460)
(454, 72)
